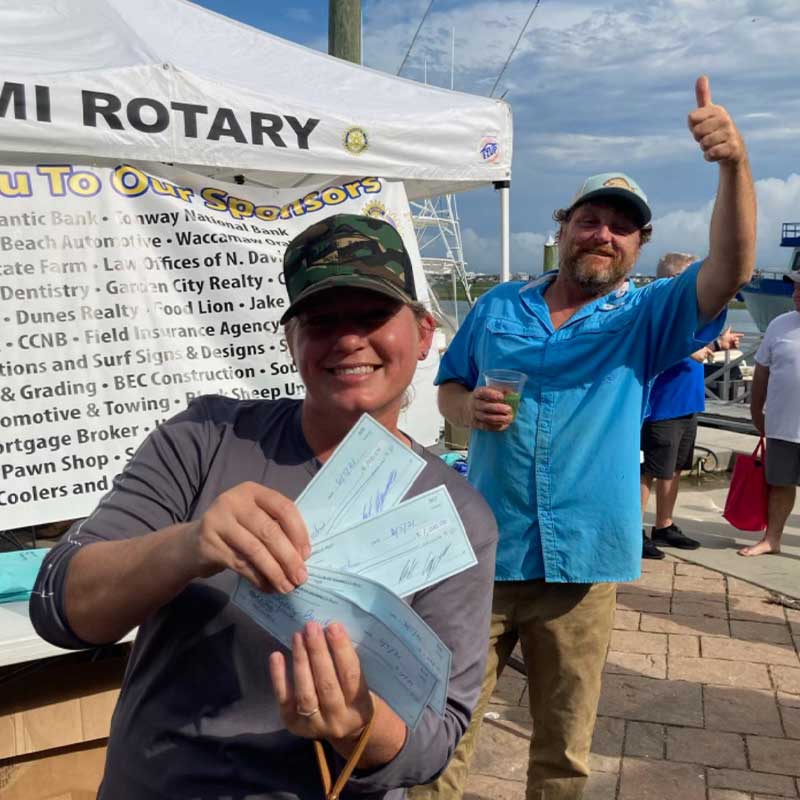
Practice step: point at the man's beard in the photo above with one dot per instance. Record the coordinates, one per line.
(591, 280)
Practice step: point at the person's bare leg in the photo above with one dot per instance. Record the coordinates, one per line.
(666, 497)
(645, 482)
(781, 503)
(649, 550)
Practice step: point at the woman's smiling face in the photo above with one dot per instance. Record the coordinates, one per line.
(356, 351)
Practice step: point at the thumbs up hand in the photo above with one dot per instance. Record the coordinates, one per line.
(713, 128)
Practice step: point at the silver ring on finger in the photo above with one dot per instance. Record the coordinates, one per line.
(307, 714)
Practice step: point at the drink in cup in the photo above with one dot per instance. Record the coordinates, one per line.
(509, 382)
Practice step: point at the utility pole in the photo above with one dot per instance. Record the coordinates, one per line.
(344, 29)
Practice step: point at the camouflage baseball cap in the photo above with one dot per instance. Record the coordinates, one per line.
(619, 185)
(347, 250)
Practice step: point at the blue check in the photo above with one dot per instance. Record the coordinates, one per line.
(391, 667)
(413, 545)
(404, 623)
(369, 472)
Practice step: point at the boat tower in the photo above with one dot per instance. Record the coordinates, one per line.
(438, 231)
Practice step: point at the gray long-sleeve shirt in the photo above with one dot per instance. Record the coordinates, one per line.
(196, 717)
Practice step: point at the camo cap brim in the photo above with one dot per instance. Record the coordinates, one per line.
(347, 250)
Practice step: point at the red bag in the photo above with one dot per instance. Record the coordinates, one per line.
(746, 506)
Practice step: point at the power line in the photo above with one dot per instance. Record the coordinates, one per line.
(516, 44)
(416, 33)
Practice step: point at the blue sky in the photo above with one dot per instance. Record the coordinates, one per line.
(595, 86)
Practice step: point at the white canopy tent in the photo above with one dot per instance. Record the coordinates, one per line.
(166, 80)
(181, 91)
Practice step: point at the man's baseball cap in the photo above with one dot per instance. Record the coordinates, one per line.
(792, 277)
(615, 184)
(347, 250)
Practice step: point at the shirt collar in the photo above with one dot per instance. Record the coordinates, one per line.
(546, 278)
(541, 282)
(532, 295)
(617, 297)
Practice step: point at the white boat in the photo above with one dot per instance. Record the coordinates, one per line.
(768, 295)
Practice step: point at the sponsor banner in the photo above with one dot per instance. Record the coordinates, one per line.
(127, 290)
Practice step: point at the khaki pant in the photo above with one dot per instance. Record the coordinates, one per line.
(564, 630)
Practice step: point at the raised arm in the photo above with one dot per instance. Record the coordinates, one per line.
(732, 245)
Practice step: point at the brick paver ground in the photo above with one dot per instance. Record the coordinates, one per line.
(701, 698)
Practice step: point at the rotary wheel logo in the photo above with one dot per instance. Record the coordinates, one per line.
(355, 141)
(377, 210)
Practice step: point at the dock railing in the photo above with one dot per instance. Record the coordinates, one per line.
(728, 390)
(773, 274)
(720, 385)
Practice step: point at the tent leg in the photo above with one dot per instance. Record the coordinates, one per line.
(504, 188)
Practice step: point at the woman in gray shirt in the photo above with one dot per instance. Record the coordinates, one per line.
(207, 708)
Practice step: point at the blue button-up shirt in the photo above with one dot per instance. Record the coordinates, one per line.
(563, 480)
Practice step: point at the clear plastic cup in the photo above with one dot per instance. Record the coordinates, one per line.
(509, 382)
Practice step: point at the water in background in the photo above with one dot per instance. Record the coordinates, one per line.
(738, 318)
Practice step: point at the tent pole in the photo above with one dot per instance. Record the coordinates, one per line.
(504, 187)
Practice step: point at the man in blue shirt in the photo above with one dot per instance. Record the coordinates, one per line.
(669, 431)
(563, 476)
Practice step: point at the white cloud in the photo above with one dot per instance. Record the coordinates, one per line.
(760, 115)
(687, 230)
(778, 202)
(584, 150)
(482, 253)
(571, 47)
(596, 83)
(773, 134)
(484, 35)
(682, 230)
(527, 243)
